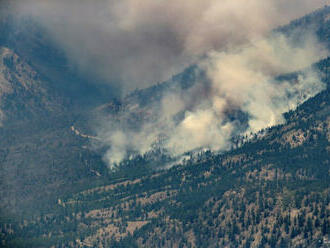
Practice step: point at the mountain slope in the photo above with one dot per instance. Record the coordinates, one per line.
(37, 146)
(273, 191)
(23, 94)
(29, 40)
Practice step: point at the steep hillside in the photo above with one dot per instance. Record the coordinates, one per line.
(268, 191)
(38, 148)
(318, 21)
(29, 40)
(141, 118)
(271, 192)
(23, 94)
(41, 97)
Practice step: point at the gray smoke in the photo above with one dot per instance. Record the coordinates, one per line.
(239, 79)
(136, 43)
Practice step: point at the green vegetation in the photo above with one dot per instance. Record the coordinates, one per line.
(270, 191)
(273, 191)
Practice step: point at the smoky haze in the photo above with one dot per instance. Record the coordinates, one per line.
(134, 44)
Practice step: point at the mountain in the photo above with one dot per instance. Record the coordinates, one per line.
(29, 40)
(272, 191)
(41, 97)
(23, 94)
(38, 148)
(318, 21)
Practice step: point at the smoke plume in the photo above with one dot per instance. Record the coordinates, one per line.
(137, 43)
(242, 80)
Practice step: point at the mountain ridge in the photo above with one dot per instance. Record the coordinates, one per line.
(271, 191)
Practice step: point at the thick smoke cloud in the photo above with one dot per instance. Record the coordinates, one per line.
(241, 79)
(137, 43)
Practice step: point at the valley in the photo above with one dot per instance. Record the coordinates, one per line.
(270, 188)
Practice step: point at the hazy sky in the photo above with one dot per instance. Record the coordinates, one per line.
(140, 42)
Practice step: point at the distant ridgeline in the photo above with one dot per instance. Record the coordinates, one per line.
(273, 191)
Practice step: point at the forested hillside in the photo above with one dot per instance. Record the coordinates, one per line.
(37, 146)
(269, 190)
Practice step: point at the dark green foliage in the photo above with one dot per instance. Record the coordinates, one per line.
(270, 191)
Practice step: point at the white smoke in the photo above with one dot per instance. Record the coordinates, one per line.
(243, 79)
(136, 43)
